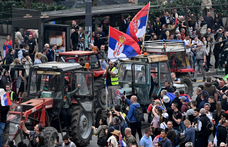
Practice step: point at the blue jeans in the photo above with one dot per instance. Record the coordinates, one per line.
(2, 126)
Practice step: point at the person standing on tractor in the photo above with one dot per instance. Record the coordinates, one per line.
(112, 81)
(175, 79)
(32, 134)
(200, 61)
(65, 111)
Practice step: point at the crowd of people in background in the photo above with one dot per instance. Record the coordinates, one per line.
(177, 122)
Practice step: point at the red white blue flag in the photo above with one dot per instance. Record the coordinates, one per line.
(121, 45)
(5, 99)
(137, 26)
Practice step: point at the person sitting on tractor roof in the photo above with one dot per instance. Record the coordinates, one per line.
(168, 87)
(65, 111)
(175, 79)
(32, 134)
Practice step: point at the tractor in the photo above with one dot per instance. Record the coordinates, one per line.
(46, 90)
(177, 59)
(92, 57)
(143, 76)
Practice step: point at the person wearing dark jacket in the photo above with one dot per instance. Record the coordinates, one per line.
(224, 102)
(209, 19)
(218, 50)
(217, 22)
(40, 141)
(198, 97)
(134, 125)
(222, 132)
(171, 135)
(212, 102)
(5, 78)
(113, 125)
(210, 88)
(51, 53)
(190, 133)
(177, 100)
(3, 113)
(157, 27)
(202, 137)
(9, 58)
(204, 100)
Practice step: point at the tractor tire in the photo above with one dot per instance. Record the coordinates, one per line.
(188, 82)
(50, 133)
(99, 93)
(81, 125)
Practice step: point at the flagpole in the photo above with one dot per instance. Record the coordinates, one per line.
(106, 88)
(145, 28)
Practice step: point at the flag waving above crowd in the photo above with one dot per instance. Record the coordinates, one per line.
(121, 45)
(137, 26)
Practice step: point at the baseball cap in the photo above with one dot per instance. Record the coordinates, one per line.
(166, 99)
(182, 98)
(165, 115)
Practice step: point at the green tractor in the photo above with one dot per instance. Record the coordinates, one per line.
(144, 76)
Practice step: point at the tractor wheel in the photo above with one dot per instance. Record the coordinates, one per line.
(188, 85)
(81, 126)
(50, 133)
(99, 93)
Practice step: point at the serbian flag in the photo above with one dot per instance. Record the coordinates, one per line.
(172, 97)
(6, 46)
(187, 96)
(121, 45)
(122, 143)
(137, 26)
(5, 99)
(156, 139)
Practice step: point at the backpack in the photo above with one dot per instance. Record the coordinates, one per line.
(14, 73)
(209, 128)
(139, 114)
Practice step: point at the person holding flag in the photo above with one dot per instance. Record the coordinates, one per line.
(137, 26)
(112, 81)
(4, 108)
(121, 46)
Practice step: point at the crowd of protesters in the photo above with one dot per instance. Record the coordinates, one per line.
(200, 121)
(182, 121)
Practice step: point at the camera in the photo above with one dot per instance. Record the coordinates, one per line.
(113, 113)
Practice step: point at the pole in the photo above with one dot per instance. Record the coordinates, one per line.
(145, 30)
(88, 22)
(186, 16)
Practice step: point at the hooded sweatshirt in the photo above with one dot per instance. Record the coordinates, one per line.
(210, 88)
(132, 109)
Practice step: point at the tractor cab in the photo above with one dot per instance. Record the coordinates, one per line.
(46, 94)
(81, 57)
(95, 59)
(143, 75)
(175, 50)
(177, 60)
